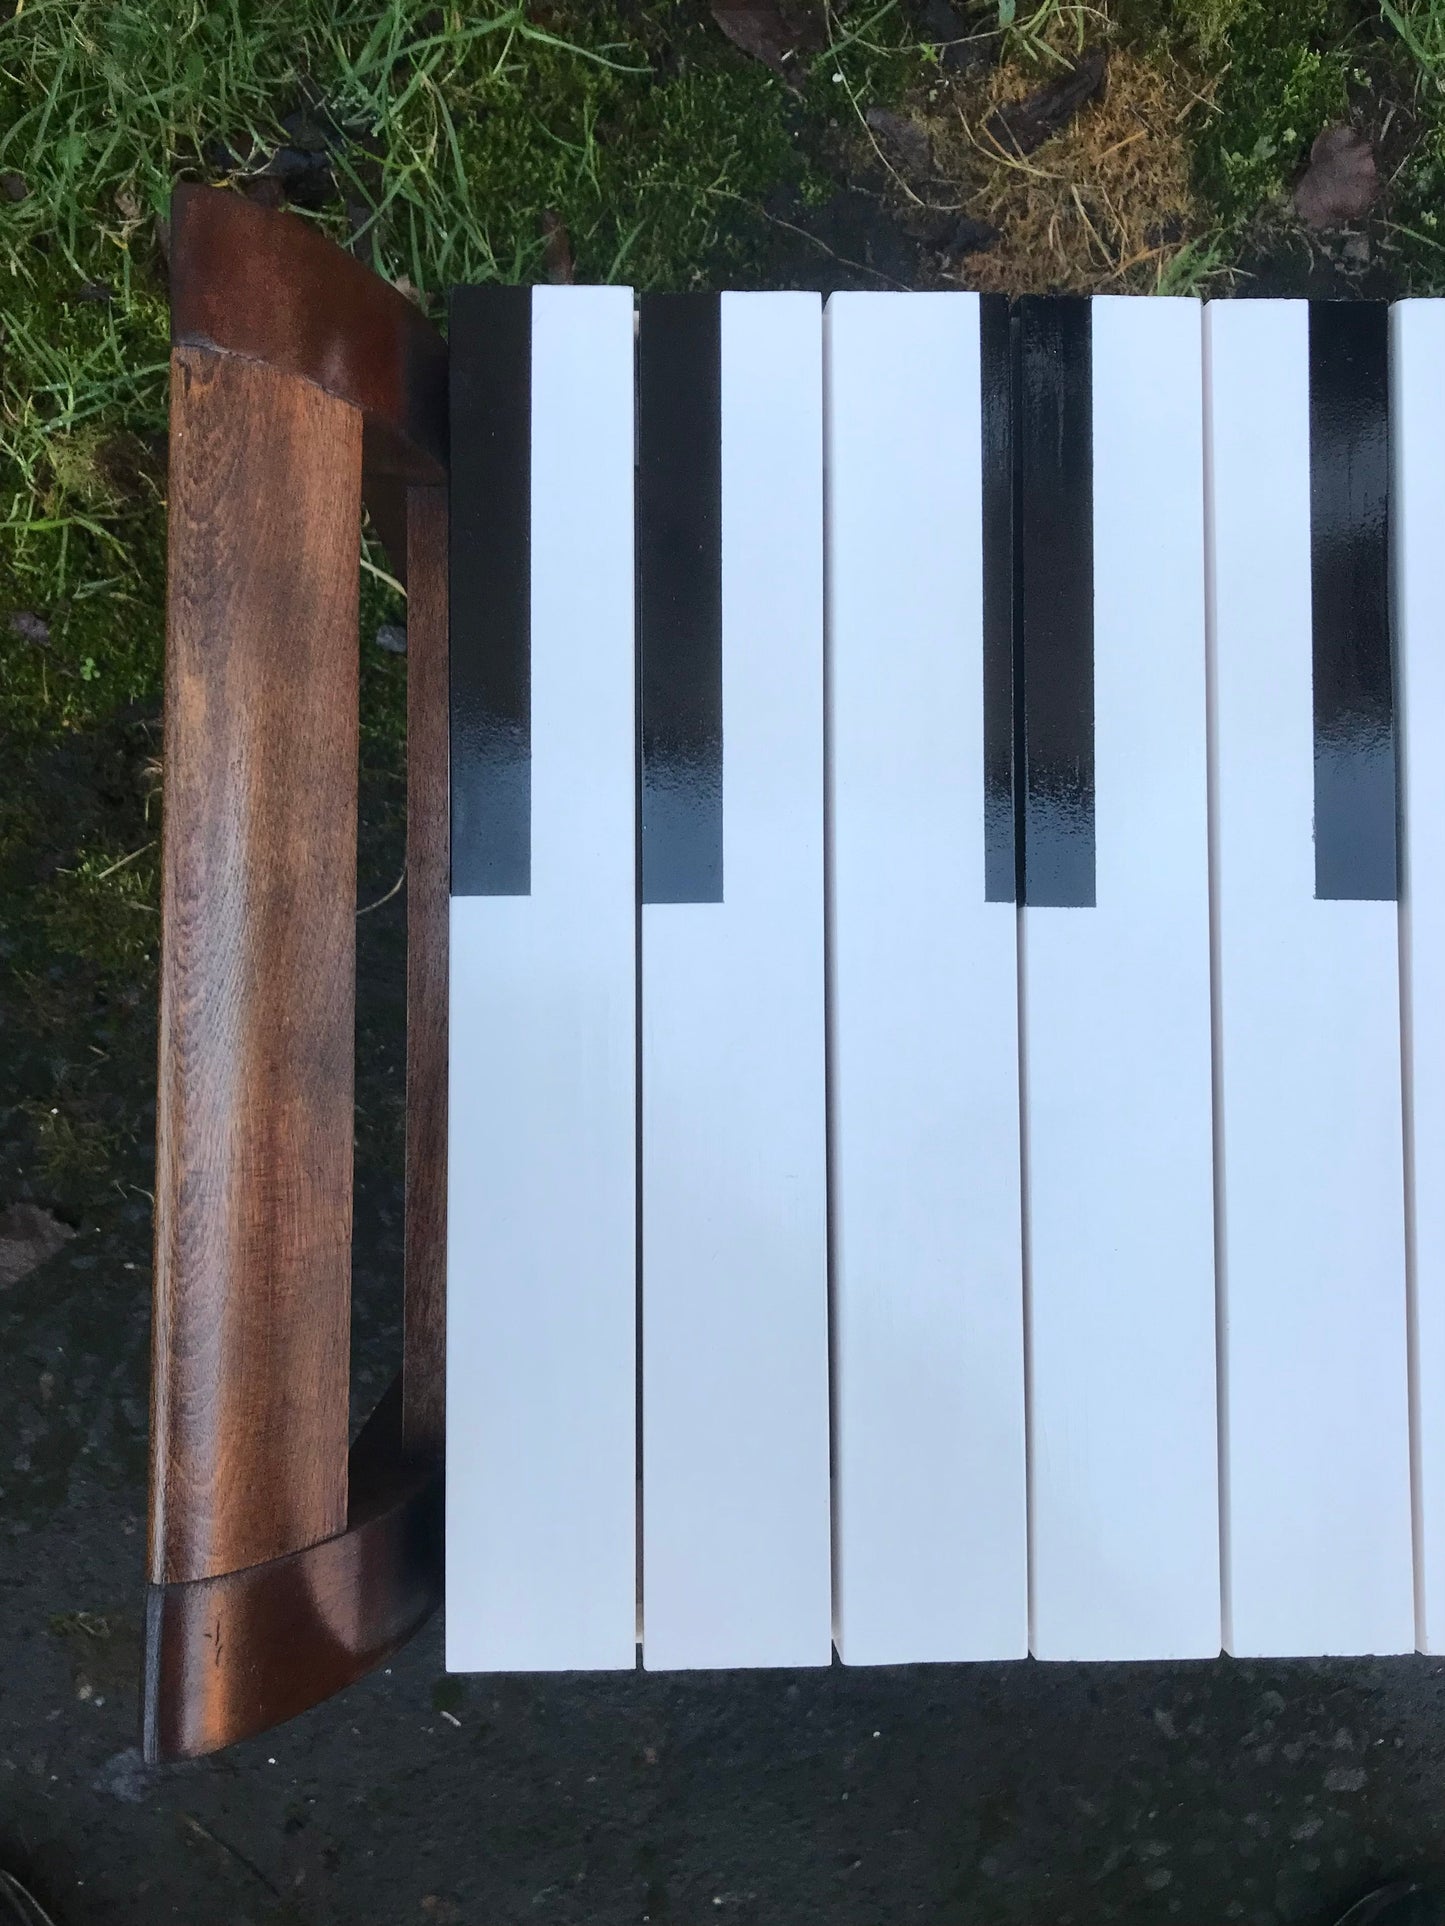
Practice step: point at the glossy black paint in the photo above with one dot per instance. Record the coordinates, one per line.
(1354, 699)
(1056, 540)
(997, 370)
(679, 596)
(491, 591)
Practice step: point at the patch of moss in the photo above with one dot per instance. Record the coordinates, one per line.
(1275, 72)
(1287, 74)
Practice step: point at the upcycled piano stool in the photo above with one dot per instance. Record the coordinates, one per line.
(924, 1104)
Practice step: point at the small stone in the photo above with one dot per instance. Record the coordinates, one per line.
(30, 627)
(125, 1777)
(28, 1236)
(1345, 1779)
(557, 250)
(1340, 183)
(391, 636)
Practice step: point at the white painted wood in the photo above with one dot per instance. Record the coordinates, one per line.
(1417, 513)
(1118, 1103)
(734, 1323)
(927, 1295)
(1312, 1273)
(541, 1243)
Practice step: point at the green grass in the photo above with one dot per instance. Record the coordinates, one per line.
(451, 132)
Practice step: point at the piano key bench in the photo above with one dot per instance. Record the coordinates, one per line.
(926, 930)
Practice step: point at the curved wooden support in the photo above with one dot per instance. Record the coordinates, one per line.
(229, 1656)
(312, 1566)
(268, 287)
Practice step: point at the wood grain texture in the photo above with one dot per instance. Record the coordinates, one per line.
(427, 869)
(229, 1656)
(267, 286)
(254, 1114)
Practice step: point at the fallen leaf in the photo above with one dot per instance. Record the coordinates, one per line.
(903, 141)
(556, 250)
(1340, 183)
(771, 32)
(1023, 125)
(28, 1235)
(30, 627)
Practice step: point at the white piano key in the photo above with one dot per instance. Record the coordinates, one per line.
(1417, 420)
(1116, 1019)
(541, 1265)
(734, 1323)
(1312, 1272)
(927, 1295)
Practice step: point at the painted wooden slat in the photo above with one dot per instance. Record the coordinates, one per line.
(1312, 1265)
(1417, 425)
(1116, 1021)
(735, 1525)
(541, 1263)
(927, 1301)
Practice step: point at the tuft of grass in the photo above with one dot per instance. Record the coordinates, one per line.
(1050, 33)
(1420, 25)
(446, 134)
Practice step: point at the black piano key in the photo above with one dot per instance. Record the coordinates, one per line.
(1055, 429)
(679, 596)
(1001, 558)
(491, 587)
(1354, 700)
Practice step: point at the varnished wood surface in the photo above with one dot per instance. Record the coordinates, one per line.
(229, 1656)
(254, 1115)
(266, 285)
(426, 972)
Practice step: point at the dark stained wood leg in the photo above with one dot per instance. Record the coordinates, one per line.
(254, 1101)
(281, 1566)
